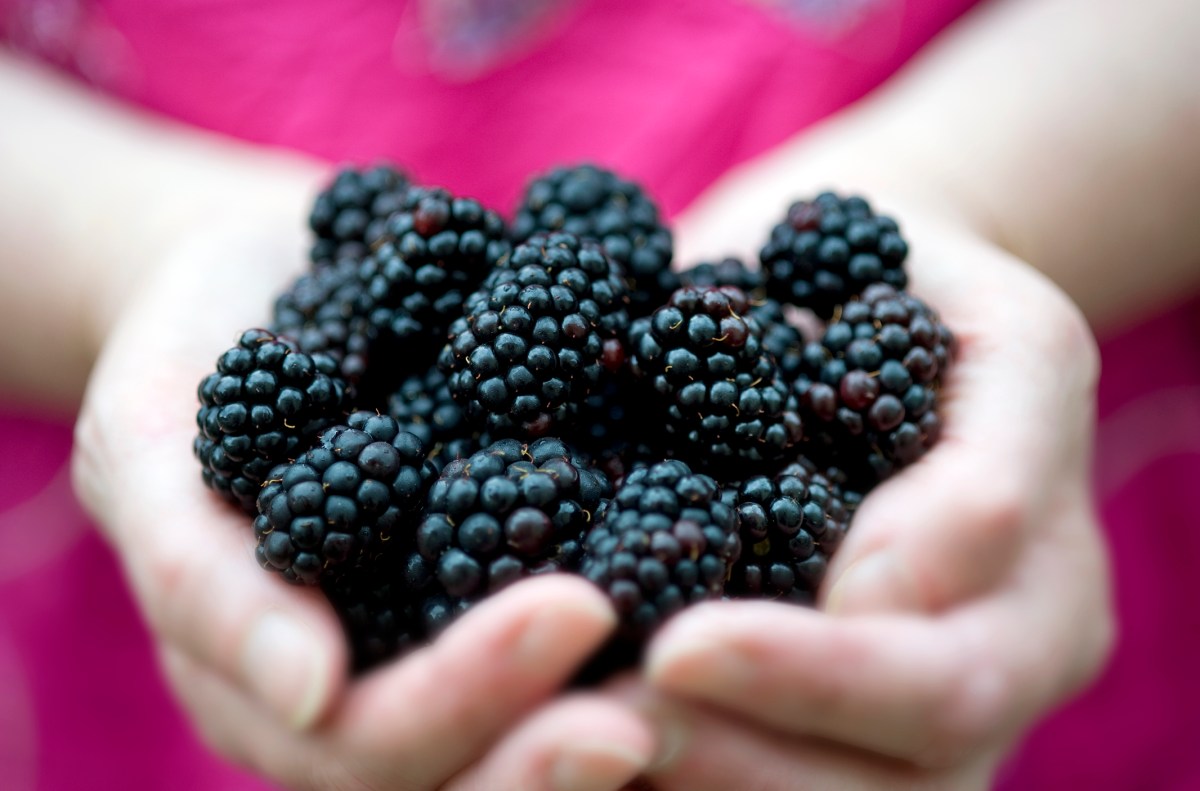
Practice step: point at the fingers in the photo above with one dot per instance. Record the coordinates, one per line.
(1017, 417)
(713, 753)
(894, 685)
(579, 743)
(441, 707)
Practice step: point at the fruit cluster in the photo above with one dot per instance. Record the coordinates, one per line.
(447, 403)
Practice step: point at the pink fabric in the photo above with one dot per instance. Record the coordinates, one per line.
(670, 93)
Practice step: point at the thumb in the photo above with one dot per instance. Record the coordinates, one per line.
(1017, 410)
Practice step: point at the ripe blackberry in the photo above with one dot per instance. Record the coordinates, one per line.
(724, 400)
(345, 211)
(320, 313)
(726, 272)
(505, 512)
(432, 252)
(265, 403)
(362, 485)
(534, 342)
(869, 388)
(595, 203)
(378, 614)
(664, 541)
(828, 250)
(616, 429)
(423, 406)
(790, 526)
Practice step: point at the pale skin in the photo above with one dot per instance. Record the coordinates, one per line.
(1047, 180)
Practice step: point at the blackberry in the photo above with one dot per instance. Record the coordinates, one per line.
(828, 250)
(616, 429)
(535, 341)
(724, 400)
(507, 511)
(664, 541)
(362, 485)
(432, 252)
(423, 406)
(790, 526)
(597, 204)
(869, 388)
(351, 208)
(378, 614)
(320, 313)
(727, 272)
(265, 403)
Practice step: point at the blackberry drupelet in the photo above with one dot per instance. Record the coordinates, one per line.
(828, 250)
(726, 272)
(780, 338)
(432, 252)
(597, 204)
(790, 526)
(723, 398)
(534, 343)
(507, 511)
(869, 389)
(265, 403)
(351, 208)
(321, 313)
(664, 541)
(361, 486)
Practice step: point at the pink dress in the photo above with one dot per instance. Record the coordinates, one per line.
(670, 93)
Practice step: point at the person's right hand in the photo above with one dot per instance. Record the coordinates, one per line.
(261, 665)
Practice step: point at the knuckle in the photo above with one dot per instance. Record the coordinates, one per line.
(999, 508)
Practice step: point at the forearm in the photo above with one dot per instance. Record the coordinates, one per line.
(1063, 130)
(93, 194)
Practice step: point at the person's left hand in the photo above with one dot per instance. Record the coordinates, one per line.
(969, 597)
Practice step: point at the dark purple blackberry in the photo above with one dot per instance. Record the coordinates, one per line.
(828, 250)
(507, 511)
(869, 388)
(432, 252)
(727, 272)
(790, 526)
(343, 213)
(320, 313)
(595, 203)
(422, 405)
(378, 613)
(616, 429)
(664, 541)
(535, 341)
(339, 502)
(723, 398)
(264, 404)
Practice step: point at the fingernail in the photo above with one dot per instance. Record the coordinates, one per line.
(673, 737)
(284, 664)
(695, 662)
(597, 766)
(564, 623)
(877, 583)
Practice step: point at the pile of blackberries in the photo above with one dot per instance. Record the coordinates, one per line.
(447, 403)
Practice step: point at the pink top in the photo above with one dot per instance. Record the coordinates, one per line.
(669, 93)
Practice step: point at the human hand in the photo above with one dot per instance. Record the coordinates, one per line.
(261, 665)
(970, 595)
